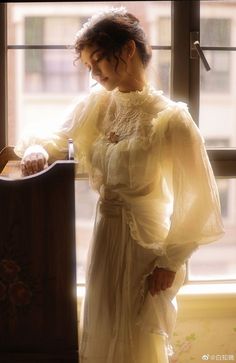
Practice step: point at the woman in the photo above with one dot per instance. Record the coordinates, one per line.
(158, 196)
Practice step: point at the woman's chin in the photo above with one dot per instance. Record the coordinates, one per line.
(108, 85)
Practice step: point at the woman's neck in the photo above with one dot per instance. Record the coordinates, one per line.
(133, 84)
(135, 76)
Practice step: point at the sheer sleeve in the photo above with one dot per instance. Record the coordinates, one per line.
(186, 170)
(79, 123)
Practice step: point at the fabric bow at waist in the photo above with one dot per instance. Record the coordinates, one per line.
(111, 208)
(110, 202)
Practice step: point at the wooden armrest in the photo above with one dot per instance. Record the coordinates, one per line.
(10, 162)
(7, 154)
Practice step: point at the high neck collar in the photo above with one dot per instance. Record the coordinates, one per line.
(134, 97)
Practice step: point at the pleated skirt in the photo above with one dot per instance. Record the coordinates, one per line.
(121, 322)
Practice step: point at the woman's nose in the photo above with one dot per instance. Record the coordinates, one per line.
(95, 71)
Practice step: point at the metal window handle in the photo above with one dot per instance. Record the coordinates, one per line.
(201, 55)
(196, 50)
(70, 150)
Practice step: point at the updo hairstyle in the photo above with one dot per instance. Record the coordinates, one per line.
(110, 31)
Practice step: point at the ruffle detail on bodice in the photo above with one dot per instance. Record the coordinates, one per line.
(156, 246)
(129, 115)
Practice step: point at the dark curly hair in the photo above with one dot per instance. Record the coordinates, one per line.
(110, 33)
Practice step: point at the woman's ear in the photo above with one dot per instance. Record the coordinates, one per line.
(130, 48)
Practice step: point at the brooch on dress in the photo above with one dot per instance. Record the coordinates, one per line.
(113, 137)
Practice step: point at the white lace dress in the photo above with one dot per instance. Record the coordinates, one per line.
(158, 203)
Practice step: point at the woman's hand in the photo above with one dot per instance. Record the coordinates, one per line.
(34, 160)
(160, 279)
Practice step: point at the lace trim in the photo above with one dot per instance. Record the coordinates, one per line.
(126, 124)
(123, 122)
(125, 118)
(155, 246)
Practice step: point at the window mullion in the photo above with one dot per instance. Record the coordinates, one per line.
(185, 71)
(194, 78)
(3, 76)
(223, 162)
(180, 49)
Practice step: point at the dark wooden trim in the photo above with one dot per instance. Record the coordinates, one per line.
(228, 49)
(69, 357)
(222, 154)
(180, 48)
(223, 162)
(7, 154)
(224, 169)
(194, 69)
(38, 46)
(60, 46)
(185, 71)
(3, 76)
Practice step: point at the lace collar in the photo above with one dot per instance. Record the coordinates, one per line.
(135, 98)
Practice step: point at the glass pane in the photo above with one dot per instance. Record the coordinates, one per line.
(41, 85)
(57, 23)
(217, 23)
(47, 80)
(216, 261)
(53, 71)
(217, 99)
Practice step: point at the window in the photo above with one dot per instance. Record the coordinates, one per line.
(217, 121)
(41, 75)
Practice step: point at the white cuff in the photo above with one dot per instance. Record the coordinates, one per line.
(176, 256)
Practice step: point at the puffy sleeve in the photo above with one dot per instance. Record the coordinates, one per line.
(195, 218)
(79, 123)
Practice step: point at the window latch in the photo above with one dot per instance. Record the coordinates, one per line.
(70, 150)
(196, 50)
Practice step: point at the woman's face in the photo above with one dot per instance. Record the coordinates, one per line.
(104, 70)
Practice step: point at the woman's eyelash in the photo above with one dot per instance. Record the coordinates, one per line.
(99, 58)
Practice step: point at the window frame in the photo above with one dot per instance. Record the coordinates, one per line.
(3, 75)
(184, 80)
(185, 86)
